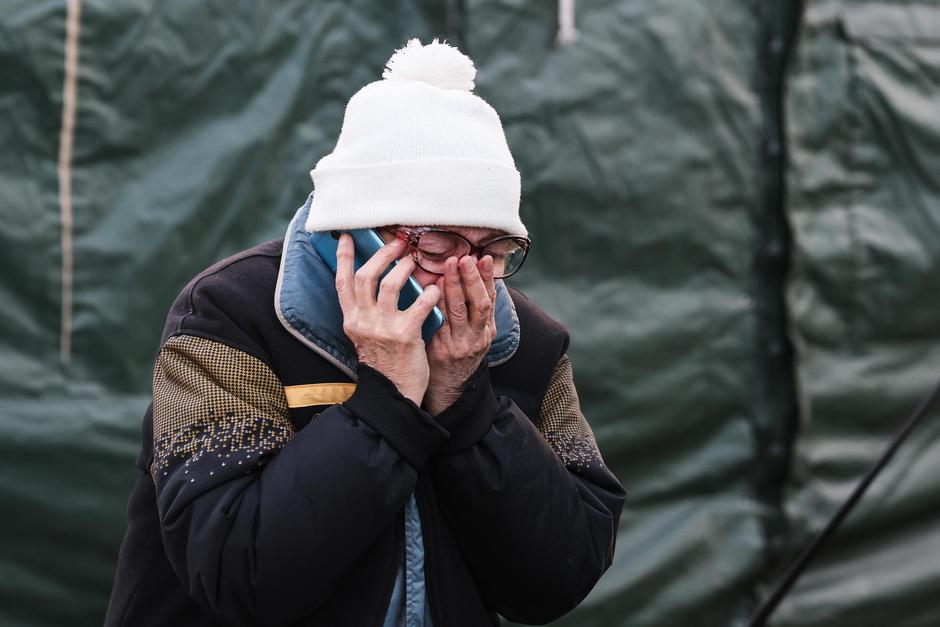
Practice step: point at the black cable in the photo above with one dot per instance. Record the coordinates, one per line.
(809, 551)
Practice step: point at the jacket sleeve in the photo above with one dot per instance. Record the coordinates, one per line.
(260, 521)
(534, 508)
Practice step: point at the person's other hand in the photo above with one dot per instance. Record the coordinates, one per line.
(385, 338)
(457, 349)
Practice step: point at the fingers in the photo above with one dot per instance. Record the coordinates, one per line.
(487, 268)
(444, 331)
(366, 279)
(391, 284)
(345, 271)
(454, 299)
(478, 298)
(423, 305)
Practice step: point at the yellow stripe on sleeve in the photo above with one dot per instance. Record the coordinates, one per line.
(318, 394)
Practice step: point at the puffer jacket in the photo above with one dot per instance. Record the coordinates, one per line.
(275, 471)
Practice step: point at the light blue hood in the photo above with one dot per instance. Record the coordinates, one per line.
(306, 304)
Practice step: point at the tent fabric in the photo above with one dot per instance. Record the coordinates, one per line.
(734, 207)
(864, 206)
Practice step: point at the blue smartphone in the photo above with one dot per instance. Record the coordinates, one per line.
(367, 243)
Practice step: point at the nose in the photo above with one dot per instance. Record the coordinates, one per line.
(476, 252)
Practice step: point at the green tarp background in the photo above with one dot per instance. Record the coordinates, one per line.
(735, 207)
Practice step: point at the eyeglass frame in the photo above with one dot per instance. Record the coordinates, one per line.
(412, 235)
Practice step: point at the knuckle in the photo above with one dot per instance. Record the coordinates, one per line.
(388, 283)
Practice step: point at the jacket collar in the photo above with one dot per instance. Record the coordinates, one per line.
(306, 304)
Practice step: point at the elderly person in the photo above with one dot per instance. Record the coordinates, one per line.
(308, 459)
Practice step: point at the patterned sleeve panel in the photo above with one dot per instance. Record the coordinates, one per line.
(563, 425)
(216, 411)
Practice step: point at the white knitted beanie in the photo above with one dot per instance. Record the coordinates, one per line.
(418, 148)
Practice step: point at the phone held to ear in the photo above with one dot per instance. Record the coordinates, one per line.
(367, 243)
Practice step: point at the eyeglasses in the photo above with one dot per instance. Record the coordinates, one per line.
(432, 247)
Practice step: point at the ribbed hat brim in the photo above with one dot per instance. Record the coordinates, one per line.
(442, 192)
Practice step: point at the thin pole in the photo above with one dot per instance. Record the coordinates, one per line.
(799, 564)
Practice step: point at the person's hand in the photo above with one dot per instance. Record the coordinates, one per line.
(457, 349)
(385, 338)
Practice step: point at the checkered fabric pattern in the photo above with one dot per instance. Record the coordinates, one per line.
(212, 399)
(563, 425)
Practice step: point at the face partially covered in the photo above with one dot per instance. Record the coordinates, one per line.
(438, 244)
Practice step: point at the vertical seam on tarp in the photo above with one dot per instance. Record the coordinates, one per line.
(66, 135)
(567, 32)
(776, 415)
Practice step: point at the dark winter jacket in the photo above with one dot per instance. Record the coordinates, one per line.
(274, 470)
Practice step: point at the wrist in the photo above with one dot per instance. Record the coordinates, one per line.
(436, 402)
(471, 415)
(413, 394)
(442, 393)
(379, 403)
(409, 384)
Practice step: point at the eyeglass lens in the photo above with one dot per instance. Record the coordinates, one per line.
(435, 247)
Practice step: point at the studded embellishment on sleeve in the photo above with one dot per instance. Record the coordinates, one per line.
(210, 399)
(563, 425)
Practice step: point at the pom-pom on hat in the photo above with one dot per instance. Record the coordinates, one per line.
(419, 148)
(436, 63)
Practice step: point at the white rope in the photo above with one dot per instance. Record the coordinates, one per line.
(567, 33)
(66, 135)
